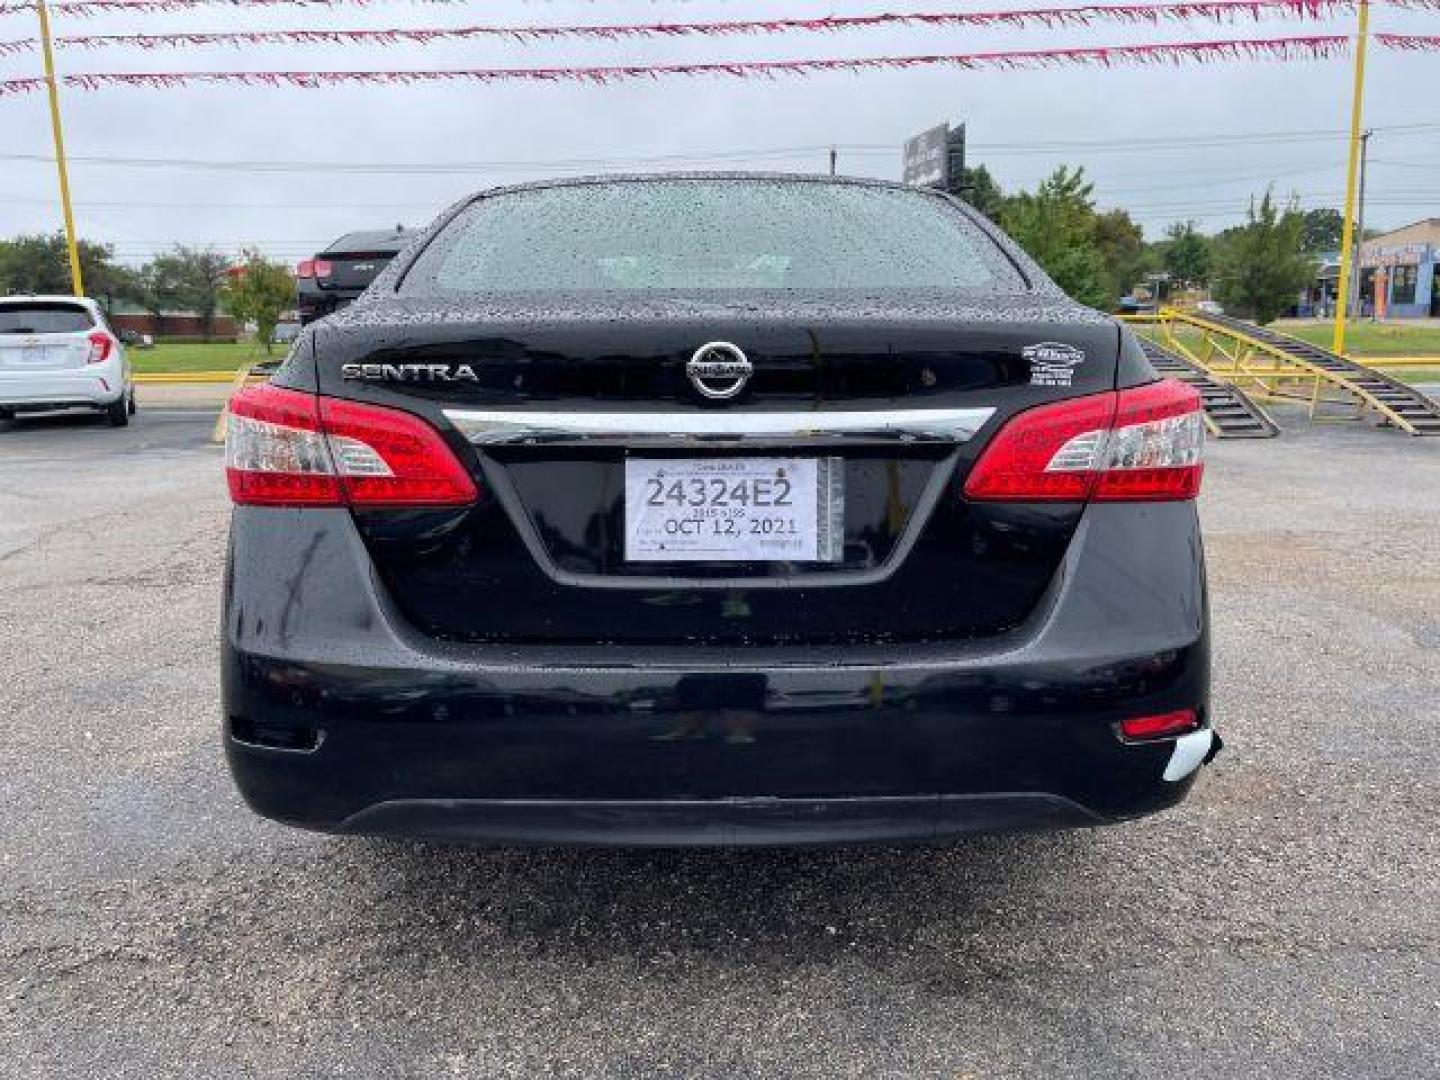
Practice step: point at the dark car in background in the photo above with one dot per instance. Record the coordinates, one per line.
(717, 509)
(340, 273)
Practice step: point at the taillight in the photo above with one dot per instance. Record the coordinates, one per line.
(1021, 460)
(286, 448)
(1143, 444)
(386, 457)
(101, 346)
(322, 268)
(305, 269)
(1160, 726)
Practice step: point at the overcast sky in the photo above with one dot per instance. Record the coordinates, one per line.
(1019, 122)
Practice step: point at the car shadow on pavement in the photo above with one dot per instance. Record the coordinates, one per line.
(762, 905)
(74, 418)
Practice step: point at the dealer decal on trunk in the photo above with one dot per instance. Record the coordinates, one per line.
(1052, 363)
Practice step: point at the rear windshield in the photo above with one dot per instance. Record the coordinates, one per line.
(43, 319)
(353, 245)
(710, 234)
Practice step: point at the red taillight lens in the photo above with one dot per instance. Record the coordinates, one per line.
(286, 448)
(1142, 444)
(101, 346)
(1160, 726)
(275, 454)
(1157, 448)
(305, 269)
(1018, 463)
(322, 268)
(386, 457)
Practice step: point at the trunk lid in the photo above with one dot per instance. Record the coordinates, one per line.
(354, 270)
(543, 555)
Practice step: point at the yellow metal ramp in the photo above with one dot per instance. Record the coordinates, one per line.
(1229, 412)
(1267, 364)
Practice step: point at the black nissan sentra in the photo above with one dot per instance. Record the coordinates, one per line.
(714, 510)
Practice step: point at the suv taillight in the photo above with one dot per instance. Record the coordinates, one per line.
(101, 346)
(286, 448)
(1144, 444)
(305, 268)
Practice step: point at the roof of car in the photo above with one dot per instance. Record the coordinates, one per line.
(761, 177)
(48, 298)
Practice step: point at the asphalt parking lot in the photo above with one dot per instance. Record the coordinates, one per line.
(1281, 923)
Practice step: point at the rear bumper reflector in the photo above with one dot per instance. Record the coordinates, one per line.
(1160, 726)
(671, 429)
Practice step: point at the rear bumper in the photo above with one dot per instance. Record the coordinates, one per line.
(716, 822)
(339, 717)
(95, 385)
(313, 303)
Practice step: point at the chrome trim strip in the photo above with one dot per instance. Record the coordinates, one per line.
(486, 427)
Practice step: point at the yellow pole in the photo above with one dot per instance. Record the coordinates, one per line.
(1347, 232)
(77, 284)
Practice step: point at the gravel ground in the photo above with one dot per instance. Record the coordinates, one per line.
(1281, 923)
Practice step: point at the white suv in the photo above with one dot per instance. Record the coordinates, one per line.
(58, 352)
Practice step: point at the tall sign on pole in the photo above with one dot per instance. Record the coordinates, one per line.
(935, 158)
(77, 284)
(1347, 232)
(955, 160)
(926, 158)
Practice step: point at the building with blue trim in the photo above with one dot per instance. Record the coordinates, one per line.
(1401, 265)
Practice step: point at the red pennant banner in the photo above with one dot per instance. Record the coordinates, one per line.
(1409, 42)
(1075, 16)
(1174, 53)
(1214, 10)
(98, 7)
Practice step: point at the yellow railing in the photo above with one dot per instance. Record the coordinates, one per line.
(1382, 362)
(1266, 371)
(180, 378)
(1378, 362)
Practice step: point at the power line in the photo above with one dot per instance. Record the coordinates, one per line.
(272, 205)
(437, 168)
(1201, 180)
(1134, 144)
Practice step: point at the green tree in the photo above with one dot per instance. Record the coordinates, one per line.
(41, 264)
(155, 291)
(1187, 254)
(1259, 267)
(1056, 227)
(1122, 248)
(194, 278)
(1320, 231)
(978, 188)
(259, 291)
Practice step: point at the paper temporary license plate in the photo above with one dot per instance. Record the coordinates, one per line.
(22, 356)
(734, 509)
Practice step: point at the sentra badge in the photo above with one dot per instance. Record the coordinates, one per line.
(410, 372)
(1052, 363)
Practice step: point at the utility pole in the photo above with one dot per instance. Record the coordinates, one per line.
(1347, 234)
(1360, 228)
(52, 85)
(834, 156)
